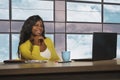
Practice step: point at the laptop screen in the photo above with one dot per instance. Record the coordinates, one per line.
(104, 46)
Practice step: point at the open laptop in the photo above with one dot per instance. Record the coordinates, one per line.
(104, 46)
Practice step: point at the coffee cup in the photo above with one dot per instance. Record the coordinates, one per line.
(66, 56)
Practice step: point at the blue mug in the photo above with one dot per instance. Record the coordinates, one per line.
(66, 56)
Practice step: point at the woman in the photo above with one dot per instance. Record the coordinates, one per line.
(33, 44)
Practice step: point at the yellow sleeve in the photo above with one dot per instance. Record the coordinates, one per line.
(30, 52)
(50, 45)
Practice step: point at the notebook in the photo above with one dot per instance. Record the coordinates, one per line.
(103, 47)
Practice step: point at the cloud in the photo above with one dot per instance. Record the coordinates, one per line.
(112, 8)
(84, 12)
(80, 45)
(113, 1)
(15, 37)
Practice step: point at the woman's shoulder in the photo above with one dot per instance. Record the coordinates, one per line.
(26, 43)
(47, 39)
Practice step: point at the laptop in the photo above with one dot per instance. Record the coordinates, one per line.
(103, 47)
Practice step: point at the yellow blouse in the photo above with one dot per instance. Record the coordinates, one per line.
(32, 52)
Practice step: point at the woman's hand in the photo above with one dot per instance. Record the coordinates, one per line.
(37, 40)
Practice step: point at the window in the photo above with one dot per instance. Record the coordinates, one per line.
(22, 9)
(91, 12)
(18, 11)
(111, 14)
(4, 9)
(87, 16)
(112, 1)
(4, 48)
(80, 45)
(69, 23)
(83, 12)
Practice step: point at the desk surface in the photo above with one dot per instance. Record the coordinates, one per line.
(52, 67)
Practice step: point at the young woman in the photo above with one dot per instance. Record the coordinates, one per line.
(33, 44)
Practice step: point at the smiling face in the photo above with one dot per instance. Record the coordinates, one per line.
(37, 29)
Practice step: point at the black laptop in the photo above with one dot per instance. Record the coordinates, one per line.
(104, 46)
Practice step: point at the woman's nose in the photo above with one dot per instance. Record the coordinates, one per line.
(39, 27)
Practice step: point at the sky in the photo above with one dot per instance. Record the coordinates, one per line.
(87, 12)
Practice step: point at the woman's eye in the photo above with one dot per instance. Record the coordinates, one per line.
(38, 25)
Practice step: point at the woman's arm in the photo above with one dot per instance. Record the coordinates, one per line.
(50, 45)
(30, 52)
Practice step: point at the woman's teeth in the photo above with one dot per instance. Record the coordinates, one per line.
(38, 32)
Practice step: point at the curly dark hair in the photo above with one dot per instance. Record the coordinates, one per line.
(26, 30)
